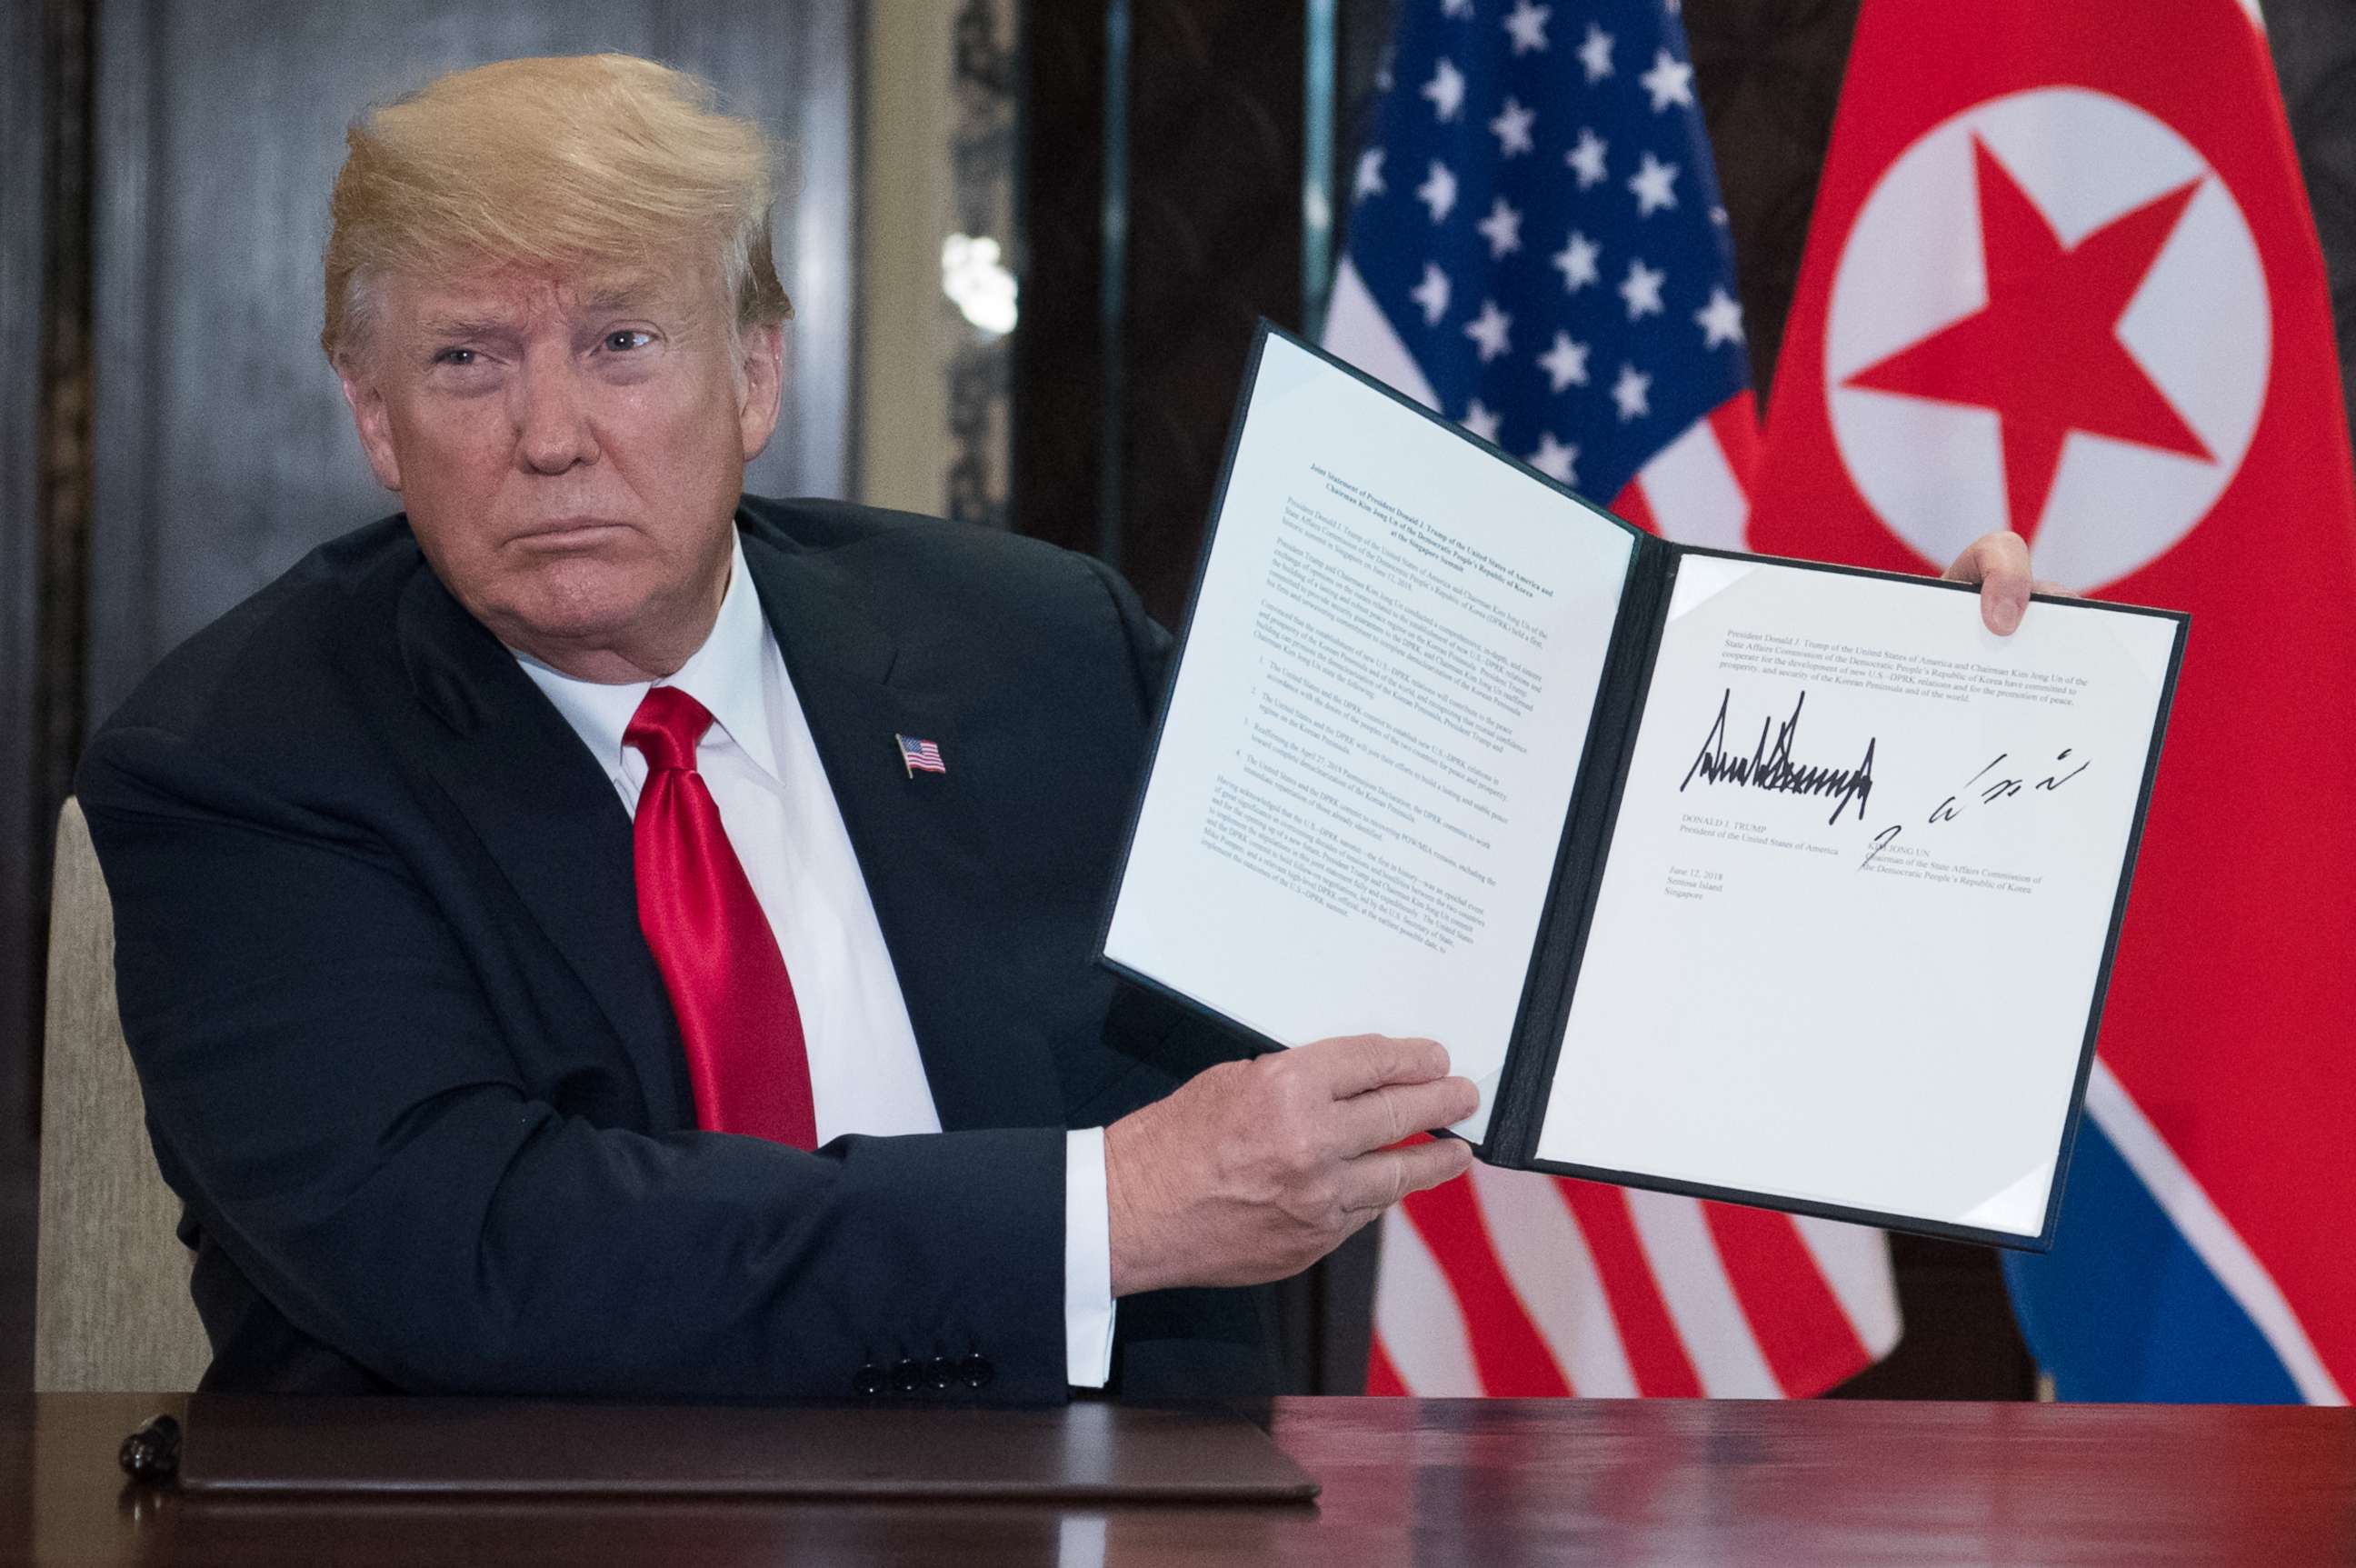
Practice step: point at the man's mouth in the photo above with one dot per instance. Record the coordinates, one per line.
(566, 533)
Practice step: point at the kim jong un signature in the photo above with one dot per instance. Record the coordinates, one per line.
(1974, 793)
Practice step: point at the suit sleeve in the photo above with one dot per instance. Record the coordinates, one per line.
(326, 1088)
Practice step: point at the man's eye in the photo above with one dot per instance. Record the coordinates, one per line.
(454, 356)
(624, 339)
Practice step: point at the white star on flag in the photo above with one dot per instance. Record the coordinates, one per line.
(1438, 192)
(1669, 82)
(1586, 160)
(1432, 294)
(1488, 330)
(1554, 459)
(1482, 421)
(1595, 54)
(1721, 320)
(1631, 392)
(1565, 363)
(1512, 129)
(1502, 229)
(1641, 289)
(1576, 260)
(1370, 174)
(1651, 184)
(1527, 24)
(1455, 8)
(1445, 91)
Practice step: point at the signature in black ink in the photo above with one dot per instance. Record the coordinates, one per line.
(2005, 788)
(1881, 841)
(2002, 788)
(1769, 766)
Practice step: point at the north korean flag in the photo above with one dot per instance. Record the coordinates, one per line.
(2063, 278)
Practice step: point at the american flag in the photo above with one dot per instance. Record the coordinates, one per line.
(1537, 249)
(920, 754)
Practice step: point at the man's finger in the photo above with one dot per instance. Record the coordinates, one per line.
(1381, 1117)
(1353, 1064)
(1998, 562)
(1374, 1182)
(2003, 551)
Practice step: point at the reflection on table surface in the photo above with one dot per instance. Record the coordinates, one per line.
(1405, 1481)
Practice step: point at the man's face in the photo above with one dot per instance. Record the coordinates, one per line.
(570, 450)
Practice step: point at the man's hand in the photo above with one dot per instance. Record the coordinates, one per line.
(1998, 562)
(1255, 1170)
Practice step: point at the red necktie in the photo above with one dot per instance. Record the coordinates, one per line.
(719, 959)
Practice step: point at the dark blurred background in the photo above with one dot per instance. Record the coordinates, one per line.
(1028, 242)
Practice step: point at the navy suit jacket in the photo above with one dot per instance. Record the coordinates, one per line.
(408, 1062)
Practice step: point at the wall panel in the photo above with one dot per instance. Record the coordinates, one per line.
(2315, 55)
(22, 235)
(24, 103)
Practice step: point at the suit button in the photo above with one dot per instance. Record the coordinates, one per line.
(940, 1372)
(869, 1380)
(907, 1375)
(975, 1371)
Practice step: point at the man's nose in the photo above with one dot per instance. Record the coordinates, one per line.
(553, 428)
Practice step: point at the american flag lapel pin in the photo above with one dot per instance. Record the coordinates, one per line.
(915, 755)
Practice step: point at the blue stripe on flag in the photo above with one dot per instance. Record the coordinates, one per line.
(2168, 1330)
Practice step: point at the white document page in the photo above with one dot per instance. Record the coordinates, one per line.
(1856, 898)
(1370, 748)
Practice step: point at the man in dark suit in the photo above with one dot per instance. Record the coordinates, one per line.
(597, 933)
(548, 966)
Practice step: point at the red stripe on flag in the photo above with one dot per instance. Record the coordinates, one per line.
(1382, 1372)
(1808, 1340)
(1735, 423)
(1656, 1354)
(1629, 506)
(1514, 1363)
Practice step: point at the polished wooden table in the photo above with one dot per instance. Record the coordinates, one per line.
(1405, 1481)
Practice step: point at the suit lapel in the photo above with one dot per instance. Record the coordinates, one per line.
(921, 841)
(547, 814)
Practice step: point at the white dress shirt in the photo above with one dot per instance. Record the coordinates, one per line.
(762, 766)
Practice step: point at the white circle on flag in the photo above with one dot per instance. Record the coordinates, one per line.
(2199, 326)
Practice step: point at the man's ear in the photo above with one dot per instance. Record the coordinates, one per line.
(762, 360)
(373, 419)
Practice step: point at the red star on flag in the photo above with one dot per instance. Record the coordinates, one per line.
(2044, 351)
(2201, 1253)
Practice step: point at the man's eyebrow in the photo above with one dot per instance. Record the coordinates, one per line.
(465, 326)
(620, 299)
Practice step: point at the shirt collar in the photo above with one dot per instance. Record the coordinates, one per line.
(725, 675)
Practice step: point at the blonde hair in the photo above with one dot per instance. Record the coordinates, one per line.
(582, 159)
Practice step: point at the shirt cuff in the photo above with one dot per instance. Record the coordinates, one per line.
(1087, 1261)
